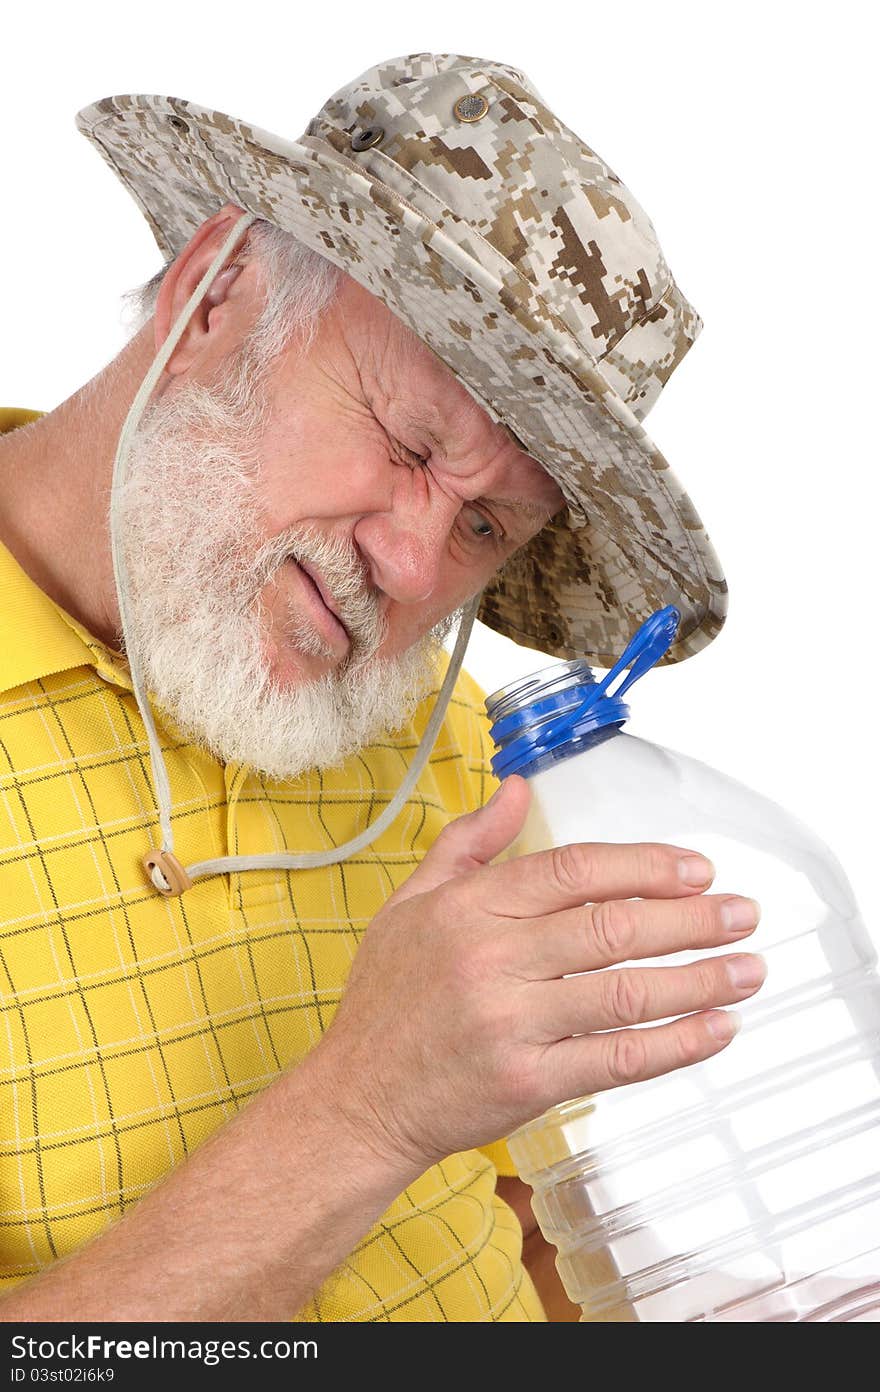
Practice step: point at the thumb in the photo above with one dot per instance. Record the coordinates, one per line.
(472, 840)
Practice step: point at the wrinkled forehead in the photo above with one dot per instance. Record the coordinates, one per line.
(452, 401)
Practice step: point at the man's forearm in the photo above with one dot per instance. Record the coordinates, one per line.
(246, 1229)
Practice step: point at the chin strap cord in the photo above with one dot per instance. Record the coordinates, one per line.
(165, 871)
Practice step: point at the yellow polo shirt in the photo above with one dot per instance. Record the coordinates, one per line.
(133, 1025)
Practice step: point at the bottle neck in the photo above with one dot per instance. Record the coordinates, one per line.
(555, 711)
(550, 716)
(549, 758)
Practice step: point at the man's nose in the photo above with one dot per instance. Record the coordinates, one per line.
(405, 554)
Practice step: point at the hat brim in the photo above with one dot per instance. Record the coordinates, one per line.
(633, 542)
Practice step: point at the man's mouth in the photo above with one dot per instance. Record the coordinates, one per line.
(322, 607)
(321, 586)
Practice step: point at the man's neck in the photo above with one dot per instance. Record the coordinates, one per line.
(55, 480)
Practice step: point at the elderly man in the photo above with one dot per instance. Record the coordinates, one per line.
(268, 1005)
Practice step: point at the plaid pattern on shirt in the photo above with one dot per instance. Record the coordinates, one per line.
(133, 1026)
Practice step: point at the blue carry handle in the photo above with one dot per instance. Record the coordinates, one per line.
(643, 650)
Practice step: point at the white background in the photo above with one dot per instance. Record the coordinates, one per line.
(747, 133)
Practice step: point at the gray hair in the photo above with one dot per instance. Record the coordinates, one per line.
(300, 284)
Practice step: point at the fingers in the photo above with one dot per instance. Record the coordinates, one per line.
(631, 995)
(470, 842)
(588, 871)
(596, 1062)
(621, 930)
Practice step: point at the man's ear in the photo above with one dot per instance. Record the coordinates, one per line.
(181, 279)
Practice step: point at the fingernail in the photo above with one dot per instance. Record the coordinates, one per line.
(740, 915)
(747, 972)
(723, 1024)
(696, 870)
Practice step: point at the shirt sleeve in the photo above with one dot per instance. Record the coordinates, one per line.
(498, 1153)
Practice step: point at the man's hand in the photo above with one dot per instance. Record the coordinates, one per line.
(483, 994)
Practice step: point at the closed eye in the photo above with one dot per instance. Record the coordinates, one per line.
(478, 525)
(410, 457)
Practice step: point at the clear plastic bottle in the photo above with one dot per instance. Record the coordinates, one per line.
(746, 1187)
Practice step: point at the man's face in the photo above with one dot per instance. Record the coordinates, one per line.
(292, 550)
(374, 445)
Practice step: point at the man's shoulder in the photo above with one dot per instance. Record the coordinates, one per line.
(470, 698)
(466, 710)
(36, 638)
(459, 767)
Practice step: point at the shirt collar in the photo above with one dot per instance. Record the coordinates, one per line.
(37, 636)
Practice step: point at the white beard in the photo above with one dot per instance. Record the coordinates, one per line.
(197, 560)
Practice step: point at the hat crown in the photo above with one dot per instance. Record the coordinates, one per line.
(509, 173)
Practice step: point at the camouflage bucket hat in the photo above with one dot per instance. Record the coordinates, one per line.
(446, 186)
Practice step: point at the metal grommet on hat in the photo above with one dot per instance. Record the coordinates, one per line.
(166, 873)
(365, 139)
(470, 108)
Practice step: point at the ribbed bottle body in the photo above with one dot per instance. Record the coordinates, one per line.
(745, 1187)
